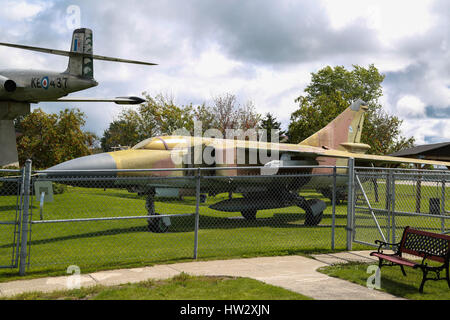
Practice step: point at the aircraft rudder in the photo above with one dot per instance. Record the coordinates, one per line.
(82, 42)
(344, 129)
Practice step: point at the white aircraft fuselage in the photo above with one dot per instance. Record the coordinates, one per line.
(33, 86)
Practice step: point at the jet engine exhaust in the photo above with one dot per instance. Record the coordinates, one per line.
(8, 84)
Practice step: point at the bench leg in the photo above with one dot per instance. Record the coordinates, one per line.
(403, 270)
(425, 272)
(448, 277)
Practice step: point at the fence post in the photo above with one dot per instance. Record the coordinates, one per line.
(333, 214)
(443, 206)
(392, 178)
(350, 202)
(197, 213)
(25, 217)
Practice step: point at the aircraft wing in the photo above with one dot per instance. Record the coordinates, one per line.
(71, 54)
(311, 152)
(117, 100)
(381, 159)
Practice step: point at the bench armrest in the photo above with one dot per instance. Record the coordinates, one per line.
(382, 244)
(425, 256)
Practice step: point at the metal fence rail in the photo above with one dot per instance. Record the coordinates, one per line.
(388, 200)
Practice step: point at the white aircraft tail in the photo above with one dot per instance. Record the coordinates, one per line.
(81, 55)
(81, 62)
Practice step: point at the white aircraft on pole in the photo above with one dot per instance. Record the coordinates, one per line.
(20, 87)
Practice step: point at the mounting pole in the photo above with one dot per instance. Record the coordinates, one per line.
(350, 202)
(25, 218)
(197, 213)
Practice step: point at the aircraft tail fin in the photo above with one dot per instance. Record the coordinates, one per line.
(344, 132)
(81, 59)
(80, 55)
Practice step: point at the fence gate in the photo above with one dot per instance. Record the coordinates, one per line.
(11, 203)
(372, 207)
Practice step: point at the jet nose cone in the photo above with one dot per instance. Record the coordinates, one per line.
(96, 162)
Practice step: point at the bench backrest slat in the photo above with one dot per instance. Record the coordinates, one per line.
(416, 241)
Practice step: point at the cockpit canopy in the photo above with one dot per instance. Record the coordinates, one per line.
(165, 143)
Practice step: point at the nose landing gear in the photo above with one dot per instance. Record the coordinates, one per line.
(157, 225)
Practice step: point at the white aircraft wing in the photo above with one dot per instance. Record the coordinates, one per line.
(70, 53)
(117, 100)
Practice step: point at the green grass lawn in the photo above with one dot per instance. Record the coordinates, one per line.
(127, 243)
(181, 287)
(392, 281)
(103, 245)
(405, 201)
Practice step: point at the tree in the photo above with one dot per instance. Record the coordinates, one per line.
(157, 116)
(205, 116)
(272, 126)
(160, 115)
(49, 139)
(248, 118)
(331, 91)
(228, 114)
(384, 131)
(225, 111)
(122, 132)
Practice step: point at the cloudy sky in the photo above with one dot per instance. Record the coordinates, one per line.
(259, 50)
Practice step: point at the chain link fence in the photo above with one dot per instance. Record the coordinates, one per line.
(388, 200)
(10, 202)
(250, 213)
(113, 218)
(133, 217)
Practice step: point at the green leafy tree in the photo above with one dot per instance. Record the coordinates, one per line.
(122, 132)
(331, 91)
(49, 139)
(205, 116)
(383, 131)
(270, 124)
(160, 115)
(156, 116)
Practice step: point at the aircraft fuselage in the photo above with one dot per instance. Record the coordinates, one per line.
(32, 86)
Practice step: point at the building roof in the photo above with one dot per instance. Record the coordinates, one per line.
(423, 150)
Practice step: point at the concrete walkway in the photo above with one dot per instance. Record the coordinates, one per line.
(294, 273)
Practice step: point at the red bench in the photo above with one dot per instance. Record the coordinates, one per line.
(426, 245)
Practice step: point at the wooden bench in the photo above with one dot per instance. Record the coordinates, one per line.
(426, 245)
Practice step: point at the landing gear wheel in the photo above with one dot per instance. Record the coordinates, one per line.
(249, 214)
(310, 219)
(156, 225)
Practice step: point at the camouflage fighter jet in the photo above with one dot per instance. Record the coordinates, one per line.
(332, 145)
(19, 87)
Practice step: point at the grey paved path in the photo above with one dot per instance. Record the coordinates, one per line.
(295, 273)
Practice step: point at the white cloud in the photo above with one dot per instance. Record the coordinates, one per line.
(391, 19)
(20, 10)
(427, 130)
(264, 51)
(213, 63)
(410, 106)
